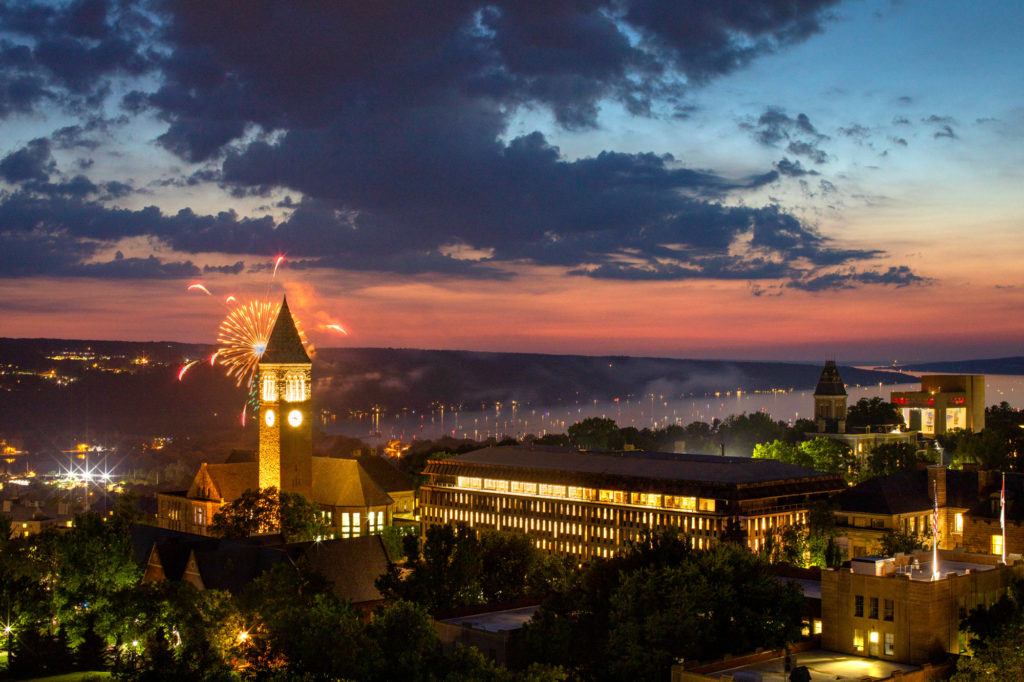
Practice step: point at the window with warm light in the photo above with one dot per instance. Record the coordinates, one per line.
(997, 544)
(858, 640)
(295, 389)
(958, 523)
(470, 482)
(890, 644)
(269, 389)
(679, 502)
(346, 525)
(200, 516)
(357, 524)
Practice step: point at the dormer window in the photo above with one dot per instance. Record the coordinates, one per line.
(295, 389)
(269, 389)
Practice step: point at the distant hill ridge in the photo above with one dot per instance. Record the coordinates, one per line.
(1010, 365)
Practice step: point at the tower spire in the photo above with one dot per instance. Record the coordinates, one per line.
(285, 345)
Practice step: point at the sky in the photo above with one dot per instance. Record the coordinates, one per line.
(750, 179)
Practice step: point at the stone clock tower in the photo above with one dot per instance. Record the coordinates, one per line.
(286, 419)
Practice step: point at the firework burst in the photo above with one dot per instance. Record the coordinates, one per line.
(243, 337)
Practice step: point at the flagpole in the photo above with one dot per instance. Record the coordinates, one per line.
(1002, 515)
(935, 532)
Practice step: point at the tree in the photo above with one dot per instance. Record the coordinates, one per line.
(262, 511)
(596, 433)
(446, 576)
(896, 541)
(781, 451)
(828, 455)
(888, 458)
(995, 632)
(873, 412)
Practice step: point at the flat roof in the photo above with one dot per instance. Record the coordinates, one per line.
(496, 621)
(823, 665)
(639, 464)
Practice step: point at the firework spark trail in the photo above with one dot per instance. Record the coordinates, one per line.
(213, 358)
(243, 337)
(230, 299)
(277, 264)
(337, 328)
(184, 368)
(199, 287)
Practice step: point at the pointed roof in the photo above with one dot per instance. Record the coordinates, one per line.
(284, 345)
(830, 382)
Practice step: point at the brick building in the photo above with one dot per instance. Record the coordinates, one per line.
(896, 609)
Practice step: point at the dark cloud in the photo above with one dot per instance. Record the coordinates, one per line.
(33, 162)
(901, 121)
(793, 169)
(233, 269)
(390, 123)
(939, 120)
(945, 131)
(905, 99)
(774, 127)
(856, 131)
(896, 276)
(901, 141)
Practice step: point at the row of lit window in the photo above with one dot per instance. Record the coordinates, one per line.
(858, 608)
(294, 388)
(680, 502)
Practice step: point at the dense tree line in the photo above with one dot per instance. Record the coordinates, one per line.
(995, 634)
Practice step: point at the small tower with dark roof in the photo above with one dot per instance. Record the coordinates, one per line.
(286, 420)
(830, 400)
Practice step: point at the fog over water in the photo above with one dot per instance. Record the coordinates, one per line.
(650, 411)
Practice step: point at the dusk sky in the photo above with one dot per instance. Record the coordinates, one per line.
(791, 179)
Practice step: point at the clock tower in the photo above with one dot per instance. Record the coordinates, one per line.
(286, 419)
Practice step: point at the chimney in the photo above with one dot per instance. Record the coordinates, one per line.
(937, 483)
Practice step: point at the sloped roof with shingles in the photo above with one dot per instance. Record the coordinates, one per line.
(906, 492)
(830, 383)
(284, 344)
(342, 482)
(386, 475)
(351, 566)
(231, 480)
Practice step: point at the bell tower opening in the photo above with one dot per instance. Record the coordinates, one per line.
(830, 400)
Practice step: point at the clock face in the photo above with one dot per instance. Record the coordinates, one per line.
(269, 417)
(295, 418)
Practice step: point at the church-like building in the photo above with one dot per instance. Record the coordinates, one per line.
(357, 495)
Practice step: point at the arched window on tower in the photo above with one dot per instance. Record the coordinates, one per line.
(269, 389)
(295, 388)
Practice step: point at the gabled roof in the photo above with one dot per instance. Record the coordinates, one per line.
(830, 382)
(386, 475)
(284, 344)
(344, 483)
(224, 481)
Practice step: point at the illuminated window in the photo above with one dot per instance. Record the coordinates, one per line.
(997, 544)
(612, 496)
(494, 484)
(646, 499)
(958, 523)
(376, 521)
(357, 524)
(200, 516)
(295, 389)
(524, 488)
(890, 644)
(858, 640)
(552, 490)
(706, 505)
(582, 493)
(684, 503)
(817, 626)
(269, 389)
(346, 525)
(470, 482)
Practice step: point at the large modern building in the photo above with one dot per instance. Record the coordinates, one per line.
(357, 495)
(589, 504)
(944, 403)
(904, 608)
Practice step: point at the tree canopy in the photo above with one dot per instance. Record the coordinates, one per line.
(257, 512)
